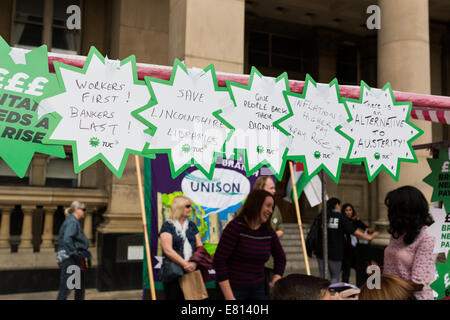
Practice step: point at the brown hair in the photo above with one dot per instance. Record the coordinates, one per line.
(300, 287)
(261, 182)
(252, 206)
(391, 288)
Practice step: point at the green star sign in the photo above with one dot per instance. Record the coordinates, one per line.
(439, 178)
(442, 284)
(22, 87)
(96, 109)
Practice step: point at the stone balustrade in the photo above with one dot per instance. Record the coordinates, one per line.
(45, 201)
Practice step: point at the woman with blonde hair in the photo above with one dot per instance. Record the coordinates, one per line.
(391, 288)
(72, 249)
(179, 238)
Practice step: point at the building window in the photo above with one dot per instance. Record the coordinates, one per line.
(28, 23)
(39, 22)
(60, 173)
(347, 64)
(276, 51)
(9, 177)
(63, 39)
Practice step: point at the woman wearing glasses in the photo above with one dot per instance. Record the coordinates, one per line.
(179, 238)
(72, 250)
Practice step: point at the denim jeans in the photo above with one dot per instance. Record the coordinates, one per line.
(64, 291)
(334, 268)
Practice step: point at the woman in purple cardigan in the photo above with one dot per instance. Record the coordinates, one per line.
(409, 254)
(246, 244)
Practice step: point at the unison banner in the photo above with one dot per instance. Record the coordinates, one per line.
(215, 200)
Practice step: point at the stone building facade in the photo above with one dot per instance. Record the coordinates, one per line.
(325, 38)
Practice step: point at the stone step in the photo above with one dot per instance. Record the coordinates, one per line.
(291, 228)
(295, 225)
(291, 236)
(292, 249)
(300, 267)
(295, 231)
(290, 242)
(294, 256)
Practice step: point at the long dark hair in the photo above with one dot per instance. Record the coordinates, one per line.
(252, 206)
(407, 213)
(344, 206)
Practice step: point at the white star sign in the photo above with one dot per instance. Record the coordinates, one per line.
(380, 131)
(314, 116)
(96, 111)
(440, 230)
(256, 108)
(183, 114)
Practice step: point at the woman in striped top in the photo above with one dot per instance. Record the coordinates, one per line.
(246, 244)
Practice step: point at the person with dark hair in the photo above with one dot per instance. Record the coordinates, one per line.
(351, 241)
(337, 226)
(391, 288)
(301, 287)
(409, 254)
(246, 244)
(276, 222)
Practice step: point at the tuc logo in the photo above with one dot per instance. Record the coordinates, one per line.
(226, 188)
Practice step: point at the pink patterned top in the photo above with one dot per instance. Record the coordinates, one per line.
(413, 262)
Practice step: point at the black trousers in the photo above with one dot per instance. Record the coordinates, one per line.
(65, 284)
(172, 290)
(268, 275)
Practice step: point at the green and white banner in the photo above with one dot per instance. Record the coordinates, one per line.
(95, 111)
(24, 82)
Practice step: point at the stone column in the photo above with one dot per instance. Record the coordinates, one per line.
(87, 228)
(404, 61)
(202, 32)
(4, 228)
(124, 213)
(38, 169)
(27, 235)
(47, 236)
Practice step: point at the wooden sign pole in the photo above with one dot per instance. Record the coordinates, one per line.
(299, 220)
(144, 222)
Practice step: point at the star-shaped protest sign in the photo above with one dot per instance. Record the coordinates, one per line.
(183, 119)
(312, 120)
(442, 284)
(95, 111)
(439, 178)
(22, 87)
(380, 131)
(440, 230)
(256, 107)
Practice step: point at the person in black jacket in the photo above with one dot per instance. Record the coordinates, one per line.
(351, 242)
(337, 226)
(72, 247)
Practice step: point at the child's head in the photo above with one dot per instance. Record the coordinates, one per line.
(301, 287)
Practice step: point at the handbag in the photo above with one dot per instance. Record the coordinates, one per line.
(193, 286)
(170, 270)
(85, 257)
